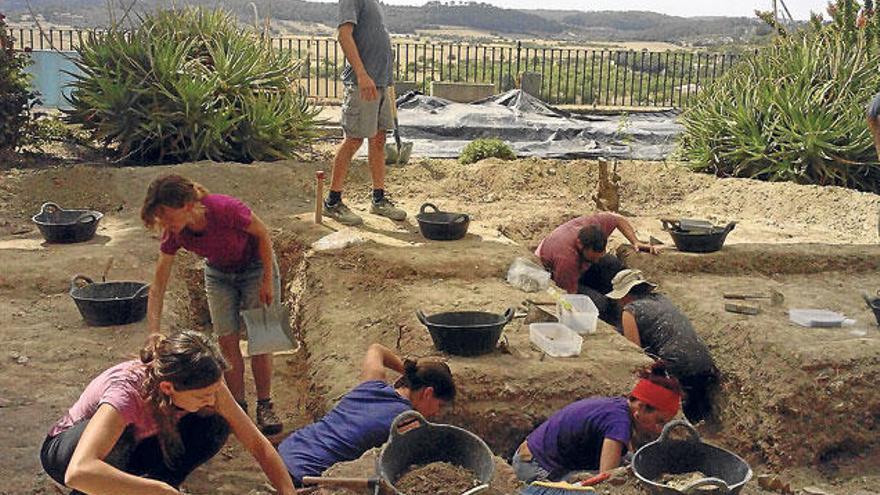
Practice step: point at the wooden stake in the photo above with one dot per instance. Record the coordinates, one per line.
(319, 195)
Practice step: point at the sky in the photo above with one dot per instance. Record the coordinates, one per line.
(800, 9)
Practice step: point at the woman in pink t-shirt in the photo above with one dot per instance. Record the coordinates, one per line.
(240, 272)
(143, 426)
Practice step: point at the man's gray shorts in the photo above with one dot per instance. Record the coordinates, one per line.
(361, 118)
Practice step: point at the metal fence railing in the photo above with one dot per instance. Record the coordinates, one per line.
(569, 75)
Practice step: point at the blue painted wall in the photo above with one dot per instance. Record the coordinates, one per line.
(48, 76)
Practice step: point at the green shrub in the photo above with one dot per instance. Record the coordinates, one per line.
(190, 84)
(16, 99)
(48, 128)
(479, 149)
(795, 111)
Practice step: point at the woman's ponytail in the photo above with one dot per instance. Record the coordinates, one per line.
(428, 373)
(150, 350)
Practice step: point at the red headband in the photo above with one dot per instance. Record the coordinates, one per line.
(657, 396)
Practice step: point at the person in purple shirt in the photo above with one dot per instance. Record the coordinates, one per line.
(362, 418)
(240, 272)
(593, 434)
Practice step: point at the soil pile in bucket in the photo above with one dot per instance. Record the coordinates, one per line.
(436, 478)
(682, 480)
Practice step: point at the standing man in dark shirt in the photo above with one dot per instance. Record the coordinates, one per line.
(366, 108)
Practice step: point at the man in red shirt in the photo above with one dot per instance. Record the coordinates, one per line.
(574, 253)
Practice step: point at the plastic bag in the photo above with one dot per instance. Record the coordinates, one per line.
(338, 240)
(527, 276)
(267, 330)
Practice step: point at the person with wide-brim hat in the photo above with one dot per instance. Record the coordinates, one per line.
(651, 321)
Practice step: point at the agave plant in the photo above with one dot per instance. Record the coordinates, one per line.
(794, 112)
(191, 84)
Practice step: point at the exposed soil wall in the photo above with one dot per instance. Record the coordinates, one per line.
(790, 395)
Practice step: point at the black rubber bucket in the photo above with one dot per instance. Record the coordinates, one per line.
(726, 472)
(698, 241)
(441, 225)
(423, 442)
(109, 303)
(465, 333)
(58, 225)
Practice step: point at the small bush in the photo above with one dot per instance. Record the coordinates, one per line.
(16, 99)
(190, 84)
(51, 128)
(479, 149)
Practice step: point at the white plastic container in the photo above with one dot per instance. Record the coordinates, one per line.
(817, 318)
(555, 339)
(582, 317)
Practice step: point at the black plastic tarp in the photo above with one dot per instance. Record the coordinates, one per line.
(439, 128)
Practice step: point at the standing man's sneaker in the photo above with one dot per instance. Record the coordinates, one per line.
(267, 421)
(342, 214)
(386, 208)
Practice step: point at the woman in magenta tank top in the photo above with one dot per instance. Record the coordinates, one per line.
(240, 272)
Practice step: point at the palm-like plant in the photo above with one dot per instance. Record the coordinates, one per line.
(188, 85)
(794, 111)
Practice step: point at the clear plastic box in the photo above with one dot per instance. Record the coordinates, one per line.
(527, 276)
(555, 339)
(583, 315)
(816, 318)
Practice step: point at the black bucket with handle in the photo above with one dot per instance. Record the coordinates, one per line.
(58, 225)
(726, 472)
(697, 239)
(465, 333)
(109, 303)
(422, 442)
(442, 225)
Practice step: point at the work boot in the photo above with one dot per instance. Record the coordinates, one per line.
(384, 207)
(267, 421)
(342, 214)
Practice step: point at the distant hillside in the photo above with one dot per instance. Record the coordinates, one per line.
(651, 26)
(598, 26)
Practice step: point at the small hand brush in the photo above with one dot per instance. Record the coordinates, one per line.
(563, 488)
(555, 488)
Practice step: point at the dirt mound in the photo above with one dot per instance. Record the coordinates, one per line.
(531, 230)
(851, 216)
(503, 482)
(764, 259)
(440, 478)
